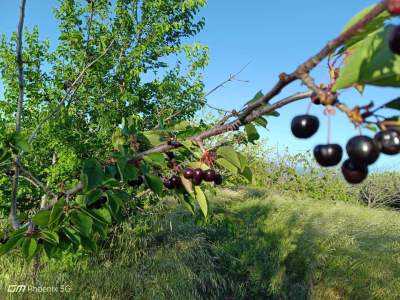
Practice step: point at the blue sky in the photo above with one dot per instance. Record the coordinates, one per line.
(274, 38)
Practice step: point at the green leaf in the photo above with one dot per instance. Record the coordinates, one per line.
(156, 159)
(371, 27)
(49, 236)
(11, 243)
(229, 154)
(247, 173)
(252, 134)
(187, 184)
(56, 212)
(103, 214)
(198, 165)
(92, 197)
(42, 218)
(187, 201)
(155, 183)
(126, 170)
(256, 97)
(88, 244)
(29, 247)
(202, 200)
(227, 165)
(4, 154)
(82, 222)
(72, 235)
(243, 161)
(371, 62)
(261, 121)
(101, 228)
(49, 249)
(394, 104)
(92, 174)
(156, 137)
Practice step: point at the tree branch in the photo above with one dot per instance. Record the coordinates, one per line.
(18, 118)
(37, 182)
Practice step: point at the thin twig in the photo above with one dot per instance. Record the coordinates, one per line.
(37, 182)
(217, 87)
(21, 84)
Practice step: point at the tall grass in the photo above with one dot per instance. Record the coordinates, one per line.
(257, 244)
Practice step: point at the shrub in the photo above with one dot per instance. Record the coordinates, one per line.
(381, 189)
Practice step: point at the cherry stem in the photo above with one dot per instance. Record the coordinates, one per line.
(329, 128)
(309, 108)
(359, 130)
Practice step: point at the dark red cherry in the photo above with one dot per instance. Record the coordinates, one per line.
(304, 126)
(354, 173)
(188, 173)
(209, 175)
(328, 155)
(99, 203)
(169, 184)
(176, 181)
(394, 40)
(170, 155)
(198, 172)
(388, 141)
(218, 179)
(197, 179)
(315, 99)
(362, 150)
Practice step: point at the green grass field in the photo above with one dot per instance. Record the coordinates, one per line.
(256, 245)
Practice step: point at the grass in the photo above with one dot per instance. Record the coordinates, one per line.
(256, 245)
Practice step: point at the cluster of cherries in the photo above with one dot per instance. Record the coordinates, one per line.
(362, 150)
(197, 176)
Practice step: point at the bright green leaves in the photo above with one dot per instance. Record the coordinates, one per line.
(92, 174)
(234, 162)
(230, 155)
(252, 134)
(202, 200)
(370, 28)
(371, 62)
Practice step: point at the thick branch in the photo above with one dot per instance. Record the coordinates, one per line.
(20, 65)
